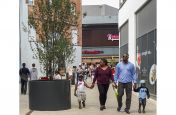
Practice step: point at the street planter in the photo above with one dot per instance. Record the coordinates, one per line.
(49, 95)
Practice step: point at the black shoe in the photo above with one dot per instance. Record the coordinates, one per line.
(118, 109)
(139, 110)
(127, 111)
(83, 104)
(104, 107)
(80, 105)
(143, 111)
(101, 108)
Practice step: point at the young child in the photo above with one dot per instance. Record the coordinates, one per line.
(143, 93)
(57, 75)
(80, 91)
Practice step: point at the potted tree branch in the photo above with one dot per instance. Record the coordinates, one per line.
(52, 21)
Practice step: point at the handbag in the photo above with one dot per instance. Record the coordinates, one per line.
(24, 77)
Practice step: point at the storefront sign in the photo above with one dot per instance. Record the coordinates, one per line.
(152, 74)
(92, 52)
(113, 37)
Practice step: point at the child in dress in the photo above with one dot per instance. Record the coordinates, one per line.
(80, 91)
(143, 93)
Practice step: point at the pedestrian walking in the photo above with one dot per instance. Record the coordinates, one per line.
(33, 72)
(125, 77)
(143, 94)
(24, 75)
(80, 91)
(103, 76)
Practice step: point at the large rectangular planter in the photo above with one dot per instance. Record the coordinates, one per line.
(45, 95)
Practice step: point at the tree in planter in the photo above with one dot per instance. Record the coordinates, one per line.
(52, 20)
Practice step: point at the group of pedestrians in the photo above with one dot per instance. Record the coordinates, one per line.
(124, 78)
(25, 75)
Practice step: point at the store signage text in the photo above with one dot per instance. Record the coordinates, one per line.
(92, 52)
(113, 37)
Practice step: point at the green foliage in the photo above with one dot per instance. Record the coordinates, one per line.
(52, 22)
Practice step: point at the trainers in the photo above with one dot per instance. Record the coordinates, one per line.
(127, 111)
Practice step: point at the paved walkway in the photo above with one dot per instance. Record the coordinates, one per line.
(92, 105)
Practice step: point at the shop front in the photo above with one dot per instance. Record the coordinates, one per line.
(94, 54)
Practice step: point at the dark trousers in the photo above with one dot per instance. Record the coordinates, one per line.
(142, 102)
(103, 89)
(128, 90)
(23, 86)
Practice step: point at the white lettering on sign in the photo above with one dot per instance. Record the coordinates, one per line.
(113, 37)
(146, 52)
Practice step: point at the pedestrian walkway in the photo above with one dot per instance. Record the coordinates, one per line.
(92, 105)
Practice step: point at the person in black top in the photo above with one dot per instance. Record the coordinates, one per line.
(143, 93)
(24, 74)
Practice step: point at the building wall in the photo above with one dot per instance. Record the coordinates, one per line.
(146, 44)
(141, 18)
(26, 54)
(146, 19)
(97, 35)
(79, 11)
(96, 43)
(127, 12)
(100, 33)
(77, 36)
(124, 30)
(99, 10)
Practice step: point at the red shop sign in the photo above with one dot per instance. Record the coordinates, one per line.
(92, 52)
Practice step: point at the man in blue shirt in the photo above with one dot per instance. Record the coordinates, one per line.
(125, 76)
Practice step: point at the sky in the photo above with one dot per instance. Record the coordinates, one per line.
(113, 3)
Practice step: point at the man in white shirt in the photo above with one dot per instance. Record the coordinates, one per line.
(33, 72)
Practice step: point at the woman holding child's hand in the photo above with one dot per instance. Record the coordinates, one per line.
(103, 76)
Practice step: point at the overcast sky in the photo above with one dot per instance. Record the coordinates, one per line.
(113, 3)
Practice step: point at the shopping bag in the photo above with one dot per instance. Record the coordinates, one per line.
(115, 91)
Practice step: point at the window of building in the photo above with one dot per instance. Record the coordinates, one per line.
(30, 2)
(124, 39)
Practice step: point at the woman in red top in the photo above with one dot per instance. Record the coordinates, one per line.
(103, 75)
